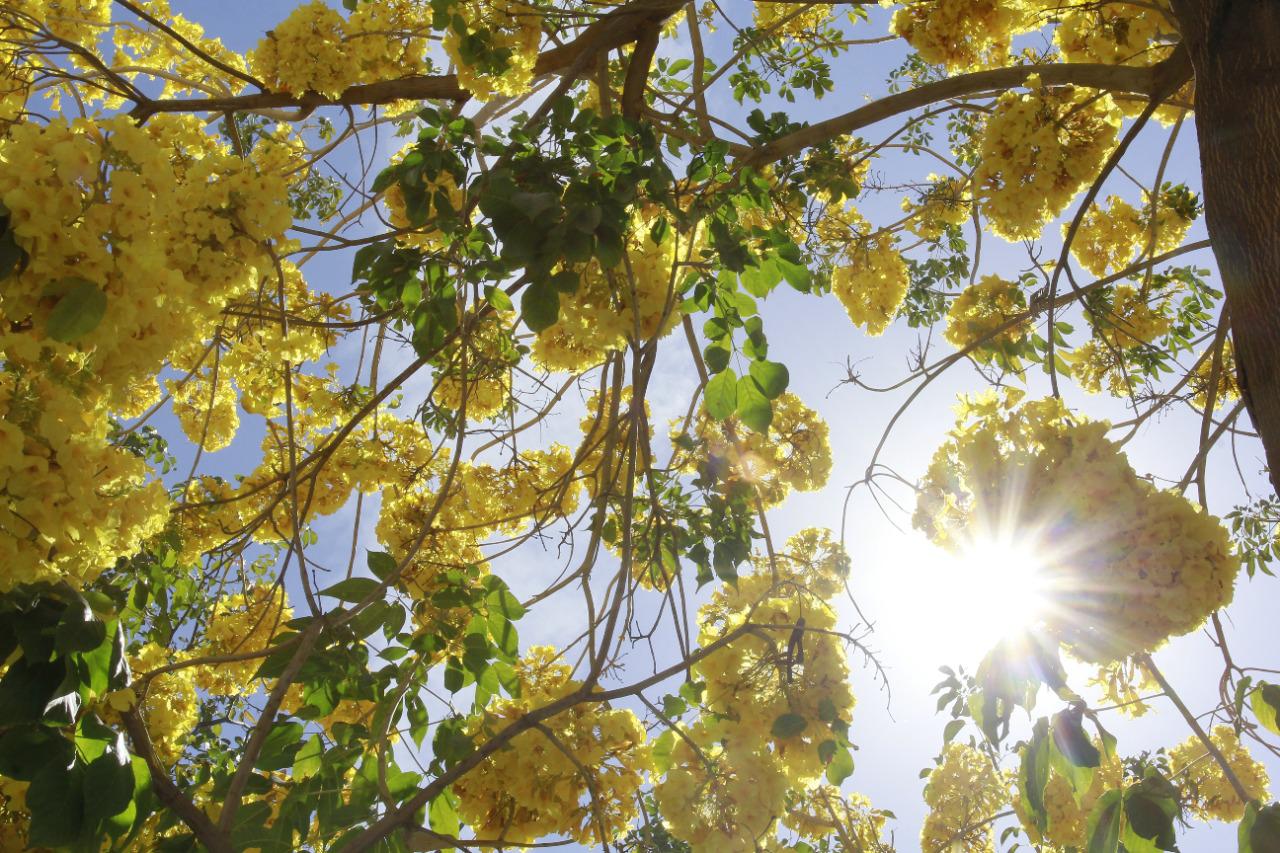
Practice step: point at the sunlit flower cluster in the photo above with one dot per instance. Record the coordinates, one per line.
(944, 203)
(962, 793)
(1128, 565)
(628, 303)
(871, 281)
(960, 34)
(576, 774)
(1066, 810)
(1038, 149)
(497, 53)
(978, 314)
(1208, 794)
(1109, 238)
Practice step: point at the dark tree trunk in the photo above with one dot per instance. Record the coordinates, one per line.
(1234, 47)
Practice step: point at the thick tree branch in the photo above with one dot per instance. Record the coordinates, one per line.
(1156, 80)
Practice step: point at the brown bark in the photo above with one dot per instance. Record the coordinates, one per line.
(1235, 52)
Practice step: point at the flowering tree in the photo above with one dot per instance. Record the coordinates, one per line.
(196, 661)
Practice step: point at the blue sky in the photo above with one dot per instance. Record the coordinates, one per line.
(895, 577)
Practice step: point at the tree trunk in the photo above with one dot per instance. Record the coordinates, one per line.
(1234, 47)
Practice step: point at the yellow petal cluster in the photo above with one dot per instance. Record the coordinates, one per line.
(872, 283)
(1128, 565)
(1206, 791)
(962, 792)
(980, 311)
(1039, 149)
(578, 775)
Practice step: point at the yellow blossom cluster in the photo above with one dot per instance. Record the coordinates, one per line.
(1206, 790)
(316, 50)
(206, 411)
(1037, 151)
(510, 29)
(980, 311)
(480, 369)
(1111, 33)
(168, 703)
(577, 774)
(788, 20)
(962, 792)
(14, 817)
(1108, 239)
(944, 203)
(238, 623)
(482, 500)
(731, 771)
(179, 71)
(630, 303)
(871, 282)
(722, 792)
(137, 238)
(767, 672)
(1068, 811)
(795, 454)
(961, 34)
(824, 811)
(1228, 389)
(1130, 565)
(1124, 684)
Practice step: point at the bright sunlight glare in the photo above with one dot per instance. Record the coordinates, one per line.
(960, 604)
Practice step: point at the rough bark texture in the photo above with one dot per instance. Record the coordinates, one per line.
(1235, 51)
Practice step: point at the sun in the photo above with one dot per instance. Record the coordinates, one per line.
(960, 603)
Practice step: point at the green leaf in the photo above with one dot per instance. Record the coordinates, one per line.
(772, 377)
(78, 312)
(721, 395)
(1105, 823)
(1033, 774)
(540, 305)
(789, 725)
(1265, 702)
(283, 742)
(308, 760)
(56, 803)
(108, 784)
(754, 408)
(443, 814)
(841, 765)
(26, 750)
(381, 564)
(716, 357)
(1260, 829)
(498, 298)
(662, 746)
(352, 589)
(1072, 754)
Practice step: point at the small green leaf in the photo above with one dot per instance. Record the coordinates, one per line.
(540, 305)
(1105, 823)
(498, 298)
(352, 589)
(789, 725)
(381, 564)
(754, 408)
(78, 312)
(841, 766)
(772, 377)
(661, 752)
(443, 814)
(1265, 702)
(721, 396)
(308, 761)
(1033, 774)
